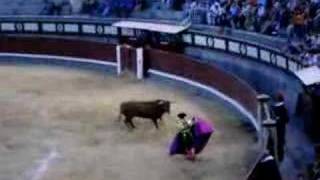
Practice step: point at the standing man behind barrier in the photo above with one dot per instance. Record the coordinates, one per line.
(281, 113)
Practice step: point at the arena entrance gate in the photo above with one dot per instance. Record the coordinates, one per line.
(130, 59)
(162, 35)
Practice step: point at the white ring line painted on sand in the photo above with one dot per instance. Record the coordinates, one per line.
(211, 90)
(44, 164)
(61, 58)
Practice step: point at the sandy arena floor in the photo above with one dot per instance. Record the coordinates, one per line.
(61, 124)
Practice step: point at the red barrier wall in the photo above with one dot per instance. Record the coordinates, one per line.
(56, 46)
(210, 75)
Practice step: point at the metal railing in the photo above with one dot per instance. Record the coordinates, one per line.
(243, 48)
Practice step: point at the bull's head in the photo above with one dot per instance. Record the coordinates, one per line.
(164, 105)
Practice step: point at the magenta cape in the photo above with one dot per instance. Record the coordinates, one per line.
(201, 132)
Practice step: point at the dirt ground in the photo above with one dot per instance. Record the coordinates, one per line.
(61, 124)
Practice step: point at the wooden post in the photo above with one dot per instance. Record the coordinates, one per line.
(139, 62)
(119, 64)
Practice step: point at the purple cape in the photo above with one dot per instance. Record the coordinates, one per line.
(201, 133)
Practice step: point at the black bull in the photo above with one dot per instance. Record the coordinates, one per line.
(145, 109)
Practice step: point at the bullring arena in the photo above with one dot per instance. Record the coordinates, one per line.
(60, 123)
(67, 66)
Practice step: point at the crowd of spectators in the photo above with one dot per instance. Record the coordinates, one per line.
(265, 16)
(298, 20)
(121, 8)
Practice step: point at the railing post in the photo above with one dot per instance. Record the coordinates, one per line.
(259, 53)
(267, 124)
(192, 39)
(227, 45)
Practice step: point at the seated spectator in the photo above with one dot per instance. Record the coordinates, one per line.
(214, 14)
(76, 6)
(225, 20)
(309, 58)
(105, 8)
(234, 12)
(54, 7)
(262, 16)
(140, 5)
(313, 42)
(177, 4)
(297, 33)
(316, 42)
(314, 14)
(123, 8)
(90, 7)
(285, 16)
(188, 7)
(271, 25)
(168, 3)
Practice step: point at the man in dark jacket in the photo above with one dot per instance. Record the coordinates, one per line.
(315, 96)
(266, 169)
(281, 114)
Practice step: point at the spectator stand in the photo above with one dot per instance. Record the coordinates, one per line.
(56, 7)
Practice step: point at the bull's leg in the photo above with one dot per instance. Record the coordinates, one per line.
(127, 122)
(131, 123)
(155, 122)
